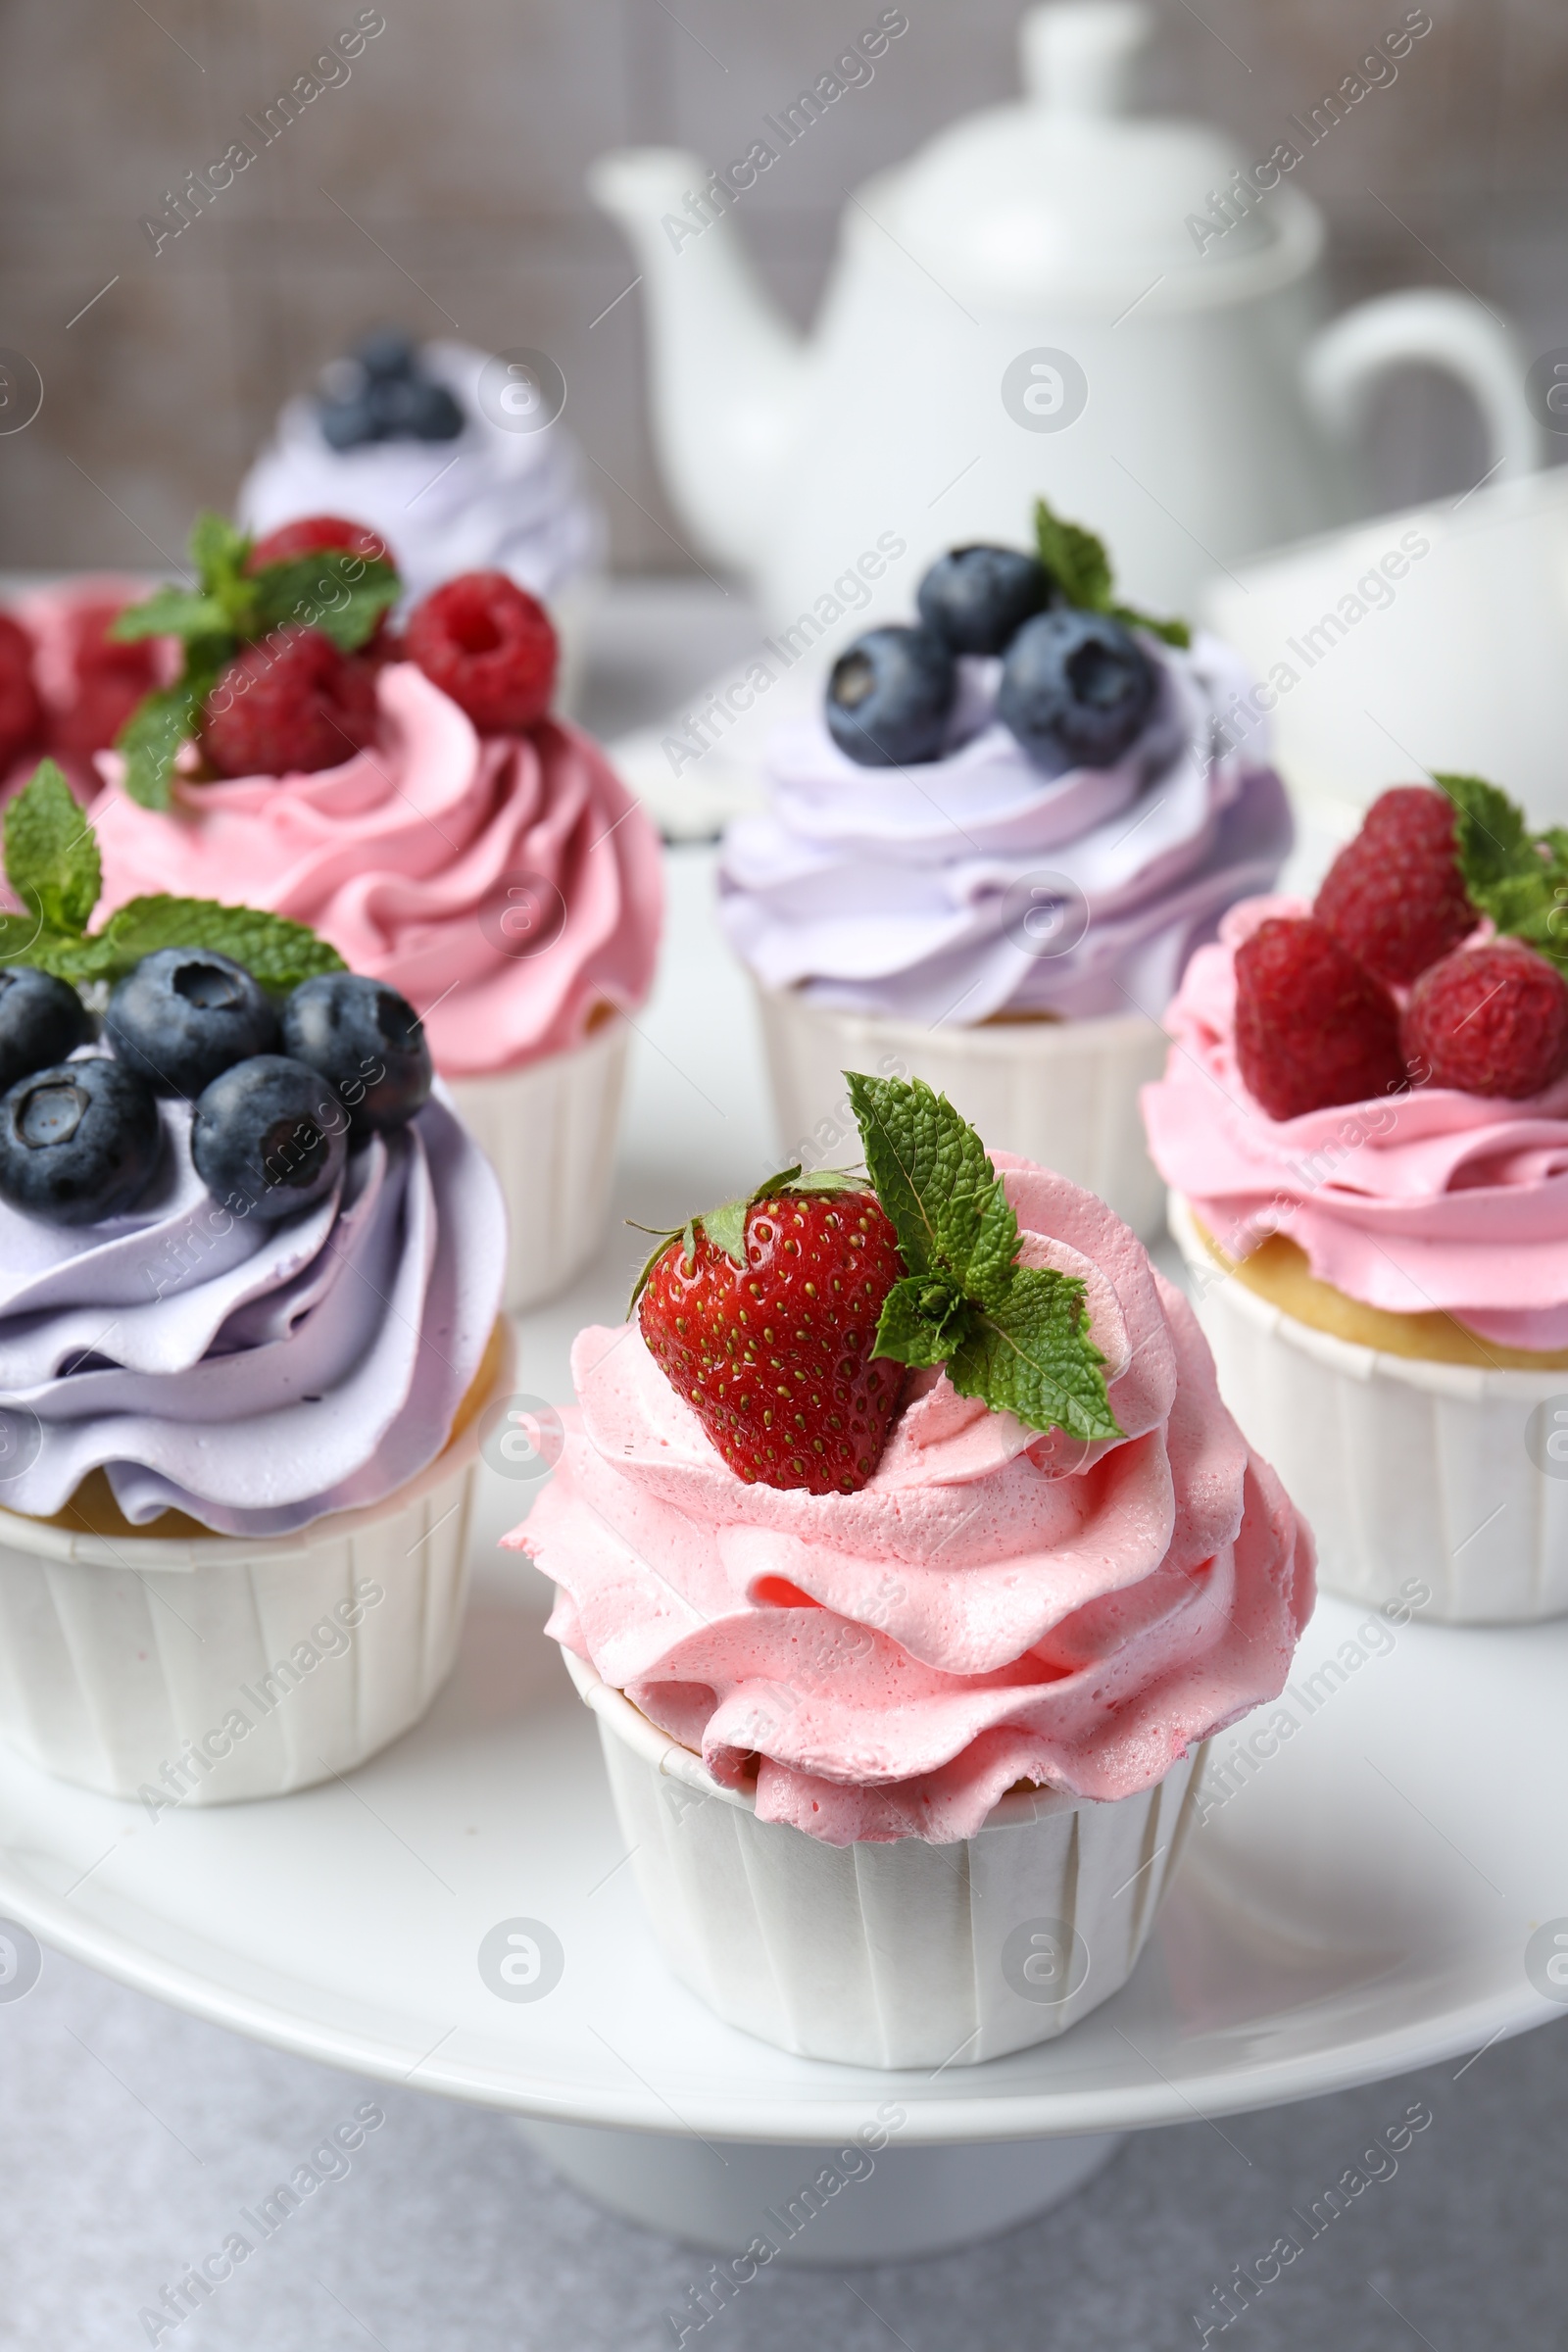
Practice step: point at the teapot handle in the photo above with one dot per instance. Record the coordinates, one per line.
(1451, 331)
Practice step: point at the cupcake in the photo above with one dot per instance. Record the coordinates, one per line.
(456, 457)
(250, 1291)
(1364, 1123)
(989, 860)
(907, 1557)
(414, 800)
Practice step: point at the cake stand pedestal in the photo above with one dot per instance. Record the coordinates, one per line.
(827, 2206)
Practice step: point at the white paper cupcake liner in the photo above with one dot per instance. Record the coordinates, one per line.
(904, 1955)
(550, 1132)
(1062, 1093)
(1404, 1469)
(198, 1670)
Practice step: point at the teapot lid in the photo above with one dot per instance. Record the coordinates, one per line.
(1065, 194)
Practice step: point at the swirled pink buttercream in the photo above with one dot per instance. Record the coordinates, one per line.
(509, 885)
(1427, 1198)
(994, 1606)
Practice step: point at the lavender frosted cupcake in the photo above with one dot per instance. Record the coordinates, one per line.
(989, 860)
(250, 1283)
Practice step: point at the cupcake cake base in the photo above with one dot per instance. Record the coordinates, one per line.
(1063, 1094)
(196, 1669)
(1402, 1465)
(1021, 1930)
(549, 1130)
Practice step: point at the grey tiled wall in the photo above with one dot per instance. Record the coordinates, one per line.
(442, 184)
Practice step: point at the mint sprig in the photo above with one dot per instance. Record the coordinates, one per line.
(1081, 567)
(53, 866)
(335, 591)
(1014, 1336)
(1519, 878)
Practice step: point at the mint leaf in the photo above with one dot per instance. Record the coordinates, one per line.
(1533, 907)
(51, 855)
(171, 613)
(24, 938)
(1034, 1357)
(278, 952)
(218, 547)
(922, 1322)
(1074, 558)
(335, 591)
(151, 740)
(1014, 1336)
(1492, 837)
(165, 721)
(935, 1178)
(927, 1166)
(1518, 878)
(1081, 568)
(1169, 632)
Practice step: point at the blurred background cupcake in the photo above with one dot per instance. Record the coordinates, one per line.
(457, 456)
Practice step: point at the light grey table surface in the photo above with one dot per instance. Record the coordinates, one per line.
(131, 2134)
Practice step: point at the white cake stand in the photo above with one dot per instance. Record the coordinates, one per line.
(1363, 1902)
(1360, 1905)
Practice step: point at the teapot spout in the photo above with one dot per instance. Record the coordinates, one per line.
(727, 369)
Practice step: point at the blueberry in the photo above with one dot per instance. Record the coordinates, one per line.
(266, 1138)
(890, 696)
(41, 1020)
(1077, 690)
(186, 1014)
(386, 351)
(978, 598)
(347, 424)
(78, 1141)
(433, 414)
(414, 409)
(366, 1041)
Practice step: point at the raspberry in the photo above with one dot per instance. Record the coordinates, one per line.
(1312, 1028)
(489, 645)
(111, 679)
(288, 704)
(1490, 1020)
(1395, 896)
(21, 711)
(312, 535)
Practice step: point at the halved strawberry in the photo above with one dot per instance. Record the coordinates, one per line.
(764, 1313)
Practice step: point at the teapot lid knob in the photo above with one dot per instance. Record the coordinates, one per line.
(1076, 54)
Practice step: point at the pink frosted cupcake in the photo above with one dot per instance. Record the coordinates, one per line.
(907, 1557)
(1364, 1123)
(416, 804)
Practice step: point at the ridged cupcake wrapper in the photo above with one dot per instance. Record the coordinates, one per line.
(898, 1955)
(201, 1670)
(1062, 1093)
(1404, 1469)
(550, 1132)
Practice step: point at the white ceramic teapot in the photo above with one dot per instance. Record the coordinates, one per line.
(1052, 297)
